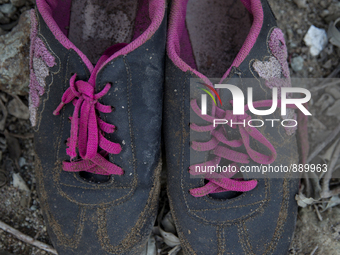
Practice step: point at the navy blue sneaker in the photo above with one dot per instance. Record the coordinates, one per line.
(235, 41)
(98, 126)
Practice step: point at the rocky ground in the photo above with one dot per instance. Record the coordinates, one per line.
(318, 224)
(318, 228)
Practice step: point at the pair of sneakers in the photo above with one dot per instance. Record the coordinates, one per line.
(98, 120)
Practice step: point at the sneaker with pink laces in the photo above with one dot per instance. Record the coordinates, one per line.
(97, 71)
(218, 214)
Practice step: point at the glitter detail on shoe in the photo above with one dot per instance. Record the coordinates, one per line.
(40, 62)
(276, 71)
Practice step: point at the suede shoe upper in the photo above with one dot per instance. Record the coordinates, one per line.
(103, 211)
(258, 221)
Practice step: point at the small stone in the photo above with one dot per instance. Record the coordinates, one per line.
(323, 3)
(293, 45)
(290, 34)
(8, 9)
(14, 52)
(324, 13)
(18, 3)
(22, 161)
(19, 183)
(316, 39)
(328, 64)
(3, 143)
(301, 3)
(33, 208)
(297, 63)
(24, 200)
(18, 109)
(4, 19)
(329, 49)
(12, 127)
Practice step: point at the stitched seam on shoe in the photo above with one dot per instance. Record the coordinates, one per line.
(231, 207)
(128, 94)
(184, 243)
(129, 88)
(283, 214)
(134, 235)
(220, 240)
(243, 239)
(64, 240)
(183, 143)
(74, 186)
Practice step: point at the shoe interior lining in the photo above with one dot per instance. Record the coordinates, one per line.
(148, 16)
(178, 42)
(96, 25)
(217, 31)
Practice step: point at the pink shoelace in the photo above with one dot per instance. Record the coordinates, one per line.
(86, 126)
(221, 182)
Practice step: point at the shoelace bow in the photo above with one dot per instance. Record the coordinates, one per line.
(87, 128)
(220, 182)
